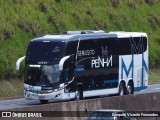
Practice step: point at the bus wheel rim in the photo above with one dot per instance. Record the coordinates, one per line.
(77, 95)
(121, 91)
(129, 89)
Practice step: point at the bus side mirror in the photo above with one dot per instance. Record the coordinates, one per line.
(66, 61)
(19, 62)
(62, 61)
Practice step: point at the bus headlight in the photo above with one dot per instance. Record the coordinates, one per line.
(66, 90)
(58, 89)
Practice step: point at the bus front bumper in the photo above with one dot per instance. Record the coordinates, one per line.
(35, 93)
(48, 96)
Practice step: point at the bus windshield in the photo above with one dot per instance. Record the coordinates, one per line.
(42, 75)
(48, 52)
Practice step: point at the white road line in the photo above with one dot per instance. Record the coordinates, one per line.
(157, 88)
(154, 85)
(142, 90)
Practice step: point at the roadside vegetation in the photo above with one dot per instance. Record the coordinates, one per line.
(11, 87)
(21, 20)
(154, 76)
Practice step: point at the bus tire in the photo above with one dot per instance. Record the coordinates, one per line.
(130, 88)
(44, 101)
(79, 94)
(122, 89)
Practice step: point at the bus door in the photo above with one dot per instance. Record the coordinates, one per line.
(68, 72)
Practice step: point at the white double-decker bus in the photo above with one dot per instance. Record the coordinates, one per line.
(79, 64)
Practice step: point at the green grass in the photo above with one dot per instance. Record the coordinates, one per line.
(11, 87)
(22, 20)
(154, 76)
(25, 19)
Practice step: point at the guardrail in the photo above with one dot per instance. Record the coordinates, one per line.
(70, 110)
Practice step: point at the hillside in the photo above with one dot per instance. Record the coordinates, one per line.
(21, 20)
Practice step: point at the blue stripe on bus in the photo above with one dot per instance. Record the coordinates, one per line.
(140, 88)
(110, 81)
(79, 69)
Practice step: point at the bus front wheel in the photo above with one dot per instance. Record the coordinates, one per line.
(122, 89)
(79, 94)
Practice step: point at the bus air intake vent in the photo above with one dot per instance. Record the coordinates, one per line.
(83, 32)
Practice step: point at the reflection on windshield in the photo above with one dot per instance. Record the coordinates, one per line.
(49, 52)
(51, 73)
(44, 75)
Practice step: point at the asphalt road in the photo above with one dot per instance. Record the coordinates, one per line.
(18, 103)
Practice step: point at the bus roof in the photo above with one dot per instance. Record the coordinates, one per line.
(123, 34)
(72, 37)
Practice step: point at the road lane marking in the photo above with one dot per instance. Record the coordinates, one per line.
(157, 88)
(142, 90)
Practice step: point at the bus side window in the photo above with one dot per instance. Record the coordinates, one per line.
(85, 49)
(106, 47)
(97, 47)
(121, 46)
(130, 45)
(71, 47)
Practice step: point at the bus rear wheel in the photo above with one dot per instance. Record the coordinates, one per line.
(79, 94)
(122, 89)
(44, 101)
(130, 88)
